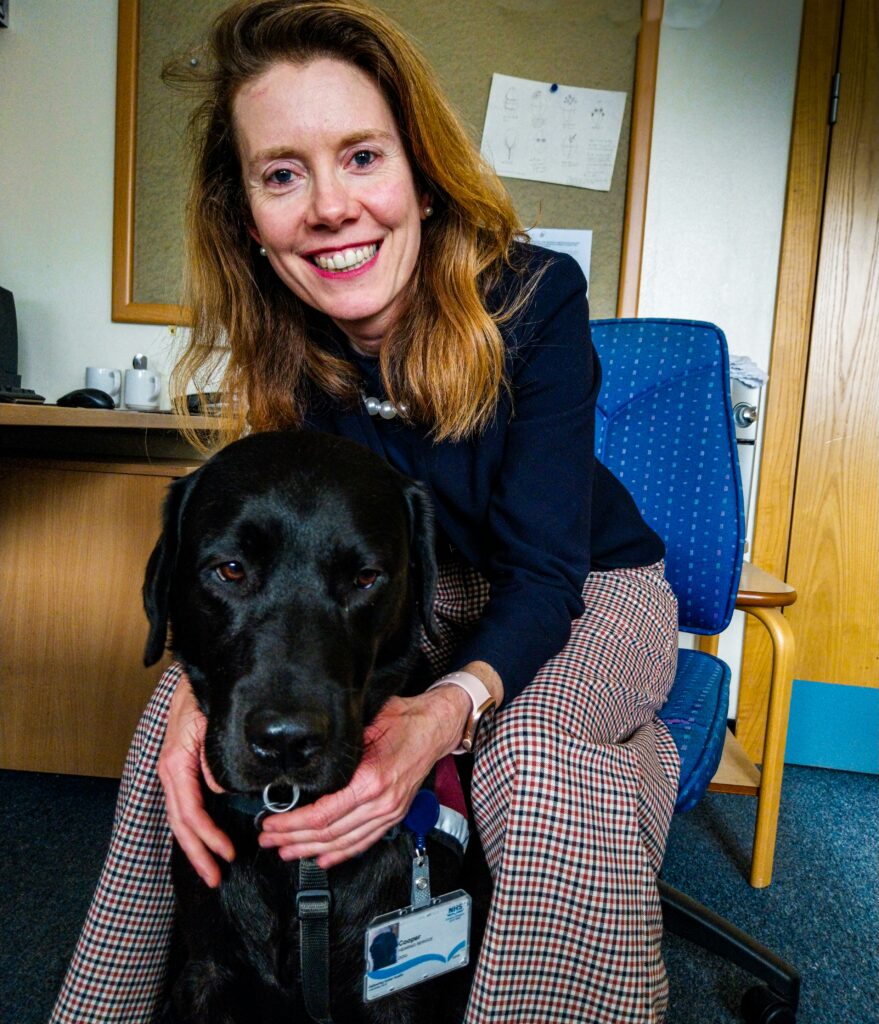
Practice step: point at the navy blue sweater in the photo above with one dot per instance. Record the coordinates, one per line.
(526, 502)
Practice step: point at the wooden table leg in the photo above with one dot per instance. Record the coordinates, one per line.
(780, 688)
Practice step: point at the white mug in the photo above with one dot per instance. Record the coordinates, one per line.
(141, 391)
(108, 381)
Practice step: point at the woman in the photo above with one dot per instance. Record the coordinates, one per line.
(351, 252)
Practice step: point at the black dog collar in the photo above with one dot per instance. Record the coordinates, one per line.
(252, 806)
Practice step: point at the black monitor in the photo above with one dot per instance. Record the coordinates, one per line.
(9, 377)
(10, 382)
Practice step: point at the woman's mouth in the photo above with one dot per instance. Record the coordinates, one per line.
(345, 260)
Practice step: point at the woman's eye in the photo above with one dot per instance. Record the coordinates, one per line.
(231, 572)
(282, 176)
(363, 158)
(366, 578)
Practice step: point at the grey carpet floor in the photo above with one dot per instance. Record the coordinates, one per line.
(821, 911)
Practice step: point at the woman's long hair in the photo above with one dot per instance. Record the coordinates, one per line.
(445, 355)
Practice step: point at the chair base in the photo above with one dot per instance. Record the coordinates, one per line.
(688, 919)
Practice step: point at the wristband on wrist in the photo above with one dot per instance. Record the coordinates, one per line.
(481, 699)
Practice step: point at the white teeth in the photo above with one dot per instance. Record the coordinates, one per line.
(346, 259)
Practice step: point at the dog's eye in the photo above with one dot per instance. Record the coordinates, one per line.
(231, 572)
(366, 578)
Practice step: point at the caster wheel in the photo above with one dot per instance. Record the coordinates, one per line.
(762, 1006)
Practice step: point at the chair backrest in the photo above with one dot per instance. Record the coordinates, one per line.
(664, 426)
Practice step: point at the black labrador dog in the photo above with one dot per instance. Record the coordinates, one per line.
(295, 571)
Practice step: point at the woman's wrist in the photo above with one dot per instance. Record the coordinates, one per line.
(471, 697)
(489, 678)
(450, 709)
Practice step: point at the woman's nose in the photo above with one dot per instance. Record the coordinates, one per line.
(331, 202)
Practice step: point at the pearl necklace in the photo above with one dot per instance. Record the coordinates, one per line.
(387, 410)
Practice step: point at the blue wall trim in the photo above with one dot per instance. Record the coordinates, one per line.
(834, 726)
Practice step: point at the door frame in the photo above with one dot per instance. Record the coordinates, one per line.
(795, 297)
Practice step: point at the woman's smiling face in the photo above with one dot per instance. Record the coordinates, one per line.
(331, 191)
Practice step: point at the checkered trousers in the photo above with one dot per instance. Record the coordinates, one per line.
(117, 972)
(573, 788)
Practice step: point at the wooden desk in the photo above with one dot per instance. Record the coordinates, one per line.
(95, 419)
(80, 499)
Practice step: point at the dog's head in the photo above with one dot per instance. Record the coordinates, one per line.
(295, 570)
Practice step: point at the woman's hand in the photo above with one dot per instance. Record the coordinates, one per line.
(181, 767)
(406, 739)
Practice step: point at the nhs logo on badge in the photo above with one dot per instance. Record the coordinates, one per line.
(454, 912)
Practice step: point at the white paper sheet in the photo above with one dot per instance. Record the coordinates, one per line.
(554, 133)
(575, 242)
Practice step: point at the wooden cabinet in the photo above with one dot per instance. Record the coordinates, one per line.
(75, 535)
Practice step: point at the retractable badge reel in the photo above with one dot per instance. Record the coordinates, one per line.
(429, 937)
(419, 820)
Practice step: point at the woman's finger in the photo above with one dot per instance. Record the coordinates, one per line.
(357, 802)
(339, 836)
(336, 834)
(329, 858)
(302, 847)
(180, 766)
(192, 826)
(206, 772)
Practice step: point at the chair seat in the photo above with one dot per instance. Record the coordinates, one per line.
(695, 714)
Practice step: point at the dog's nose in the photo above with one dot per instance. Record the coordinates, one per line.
(286, 740)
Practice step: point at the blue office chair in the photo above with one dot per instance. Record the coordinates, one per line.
(664, 426)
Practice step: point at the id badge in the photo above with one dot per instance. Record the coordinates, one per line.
(411, 945)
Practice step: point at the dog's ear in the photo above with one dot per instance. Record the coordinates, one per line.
(422, 553)
(160, 568)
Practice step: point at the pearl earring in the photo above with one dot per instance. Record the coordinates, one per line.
(262, 250)
(428, 211)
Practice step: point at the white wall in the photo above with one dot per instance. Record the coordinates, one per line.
(718, 171)
(57, 111)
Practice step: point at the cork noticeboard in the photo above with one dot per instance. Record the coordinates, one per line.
(598, 44)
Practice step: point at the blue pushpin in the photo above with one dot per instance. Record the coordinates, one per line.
(554, 87)
(422, 815)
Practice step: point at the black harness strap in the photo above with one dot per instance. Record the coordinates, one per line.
(313, 910)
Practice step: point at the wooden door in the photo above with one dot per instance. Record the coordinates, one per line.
(818, 511)
(834, 545)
